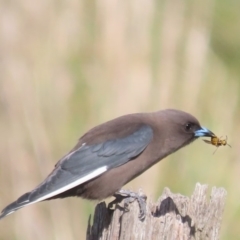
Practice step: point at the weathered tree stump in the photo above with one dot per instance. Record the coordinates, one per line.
(174, 216)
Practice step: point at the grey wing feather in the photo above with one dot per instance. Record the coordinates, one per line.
(112, 153)
(83, 161)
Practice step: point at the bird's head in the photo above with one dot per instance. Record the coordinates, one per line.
(182, 128)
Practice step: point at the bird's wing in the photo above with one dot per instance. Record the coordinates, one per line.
(84, 164)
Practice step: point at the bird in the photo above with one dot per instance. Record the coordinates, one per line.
(112, 154)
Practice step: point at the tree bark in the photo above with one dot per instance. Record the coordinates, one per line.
(173, 216)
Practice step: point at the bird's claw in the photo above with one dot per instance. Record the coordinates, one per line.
(130, 197)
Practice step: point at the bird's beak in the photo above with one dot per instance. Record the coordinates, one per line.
(204, 132)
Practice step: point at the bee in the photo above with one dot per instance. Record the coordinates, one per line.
(216, 141)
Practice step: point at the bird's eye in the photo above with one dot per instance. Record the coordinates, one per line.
(188, 127)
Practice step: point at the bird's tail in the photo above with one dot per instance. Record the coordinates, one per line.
(14, 206)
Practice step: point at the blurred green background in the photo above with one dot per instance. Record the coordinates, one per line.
(67, 66)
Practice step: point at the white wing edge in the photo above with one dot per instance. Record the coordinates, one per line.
(88, 177)
(74, 184)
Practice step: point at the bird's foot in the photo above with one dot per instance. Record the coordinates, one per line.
(130, 197)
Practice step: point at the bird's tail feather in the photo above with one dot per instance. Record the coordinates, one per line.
(14, 206)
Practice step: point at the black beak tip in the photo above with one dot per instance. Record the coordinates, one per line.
(204, 132)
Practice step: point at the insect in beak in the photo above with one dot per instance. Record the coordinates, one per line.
(216, 141)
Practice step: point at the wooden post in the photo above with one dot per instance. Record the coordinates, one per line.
(174, 216)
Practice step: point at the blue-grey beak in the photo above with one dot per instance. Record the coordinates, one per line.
(204, 132)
